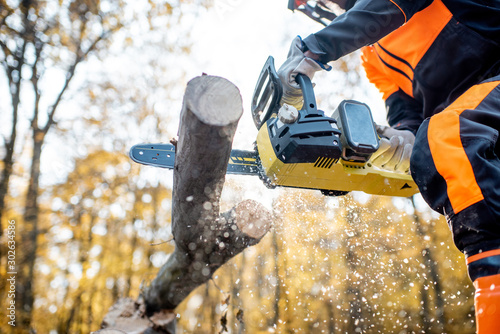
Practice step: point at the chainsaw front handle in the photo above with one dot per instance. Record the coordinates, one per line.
(306, 86)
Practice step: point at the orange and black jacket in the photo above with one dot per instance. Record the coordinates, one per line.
(421, 54)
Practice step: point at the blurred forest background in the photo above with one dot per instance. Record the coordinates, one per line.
(82, 81)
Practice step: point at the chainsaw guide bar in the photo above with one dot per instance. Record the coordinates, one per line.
(163, 155)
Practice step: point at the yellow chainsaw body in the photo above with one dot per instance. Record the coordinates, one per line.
(331, 174)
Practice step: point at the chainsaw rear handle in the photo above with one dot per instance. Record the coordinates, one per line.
(269, 90)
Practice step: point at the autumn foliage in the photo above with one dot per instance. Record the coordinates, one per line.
(92, 227)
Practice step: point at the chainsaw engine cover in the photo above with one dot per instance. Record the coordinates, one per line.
(309, 138)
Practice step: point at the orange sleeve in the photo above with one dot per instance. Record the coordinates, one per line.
(369, 61)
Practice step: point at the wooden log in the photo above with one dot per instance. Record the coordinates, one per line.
(204, 238)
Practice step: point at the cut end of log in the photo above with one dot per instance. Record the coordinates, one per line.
(128, 316)
(214, 100)
(252, 218)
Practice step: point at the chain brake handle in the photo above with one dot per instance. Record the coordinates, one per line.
(267, 94)
(269, 90)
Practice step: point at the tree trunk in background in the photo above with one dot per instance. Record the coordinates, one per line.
(277, 288)
(212, 306)
(331, 316)
(353, 293)
(29, 234)
(329, 303)
(14, 81)
(434, 281)
(154, 227)
(8, 159)
(133, 243)
(238, 321)
(288, 314)
(12, 71)
(204, 239)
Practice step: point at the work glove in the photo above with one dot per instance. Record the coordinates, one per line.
(297, 62)
(394, 151)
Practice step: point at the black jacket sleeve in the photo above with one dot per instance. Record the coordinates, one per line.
(364, 24)
(403, 112)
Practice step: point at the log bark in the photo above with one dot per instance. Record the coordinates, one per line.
(204, 238)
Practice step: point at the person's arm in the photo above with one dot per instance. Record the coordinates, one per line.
(403, 111)
(365, 23)
(404, 115)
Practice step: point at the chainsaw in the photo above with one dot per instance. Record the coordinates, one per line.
(319, 10)
(303, 148)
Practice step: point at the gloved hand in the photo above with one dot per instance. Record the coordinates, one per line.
(297, 62)
(395, 149)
